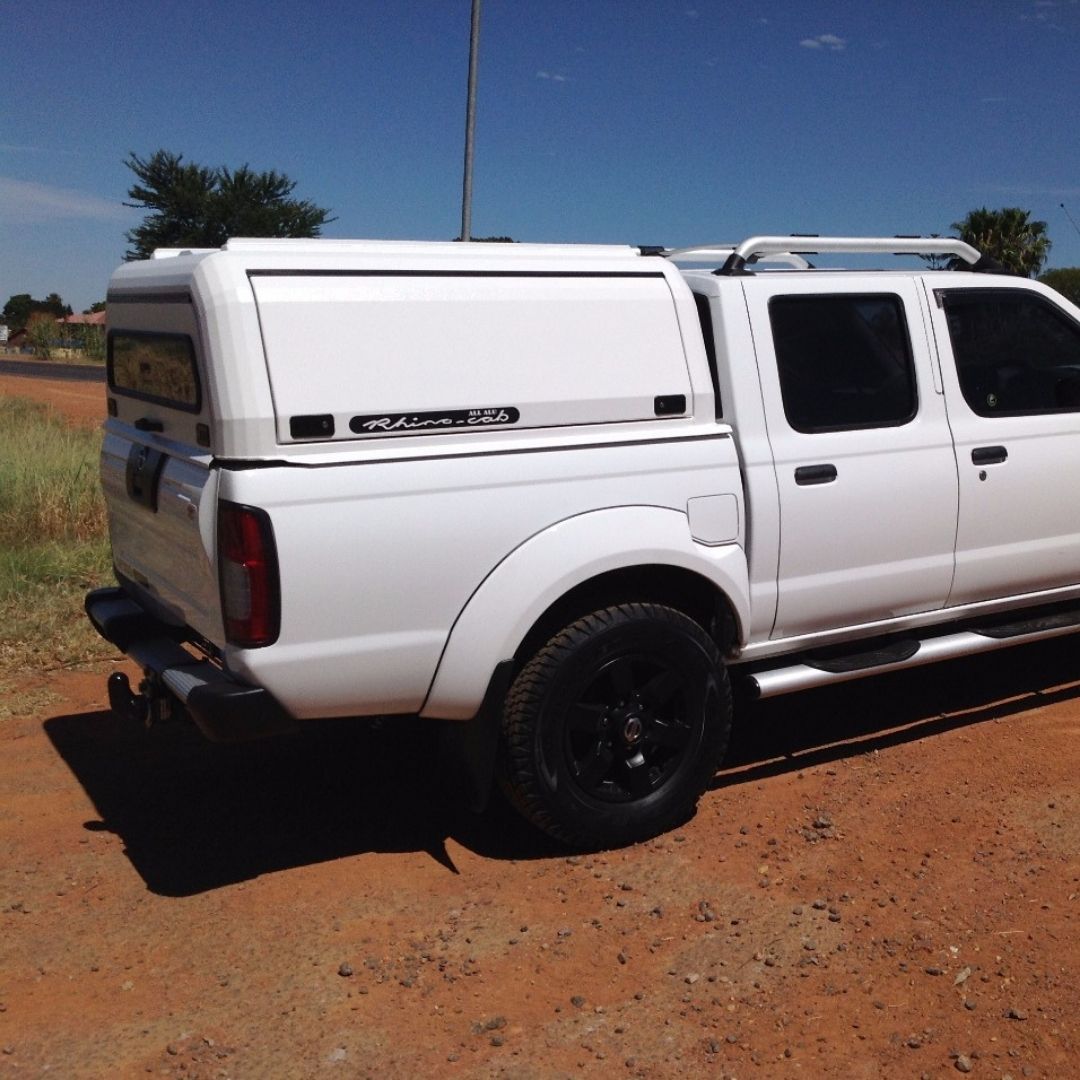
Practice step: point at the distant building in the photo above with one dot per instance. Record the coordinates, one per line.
(95, 318)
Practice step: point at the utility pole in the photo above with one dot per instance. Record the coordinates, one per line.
(470, 124)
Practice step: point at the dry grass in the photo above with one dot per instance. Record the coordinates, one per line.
(53, 544)
(49, 488)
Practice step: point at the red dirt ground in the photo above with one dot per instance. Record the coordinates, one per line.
(79, 401)
(884, 881)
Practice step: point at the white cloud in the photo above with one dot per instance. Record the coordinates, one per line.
(553, 76)
(1035, 190)
(1045, 12)
(14, 148)
(825, 41)
(24, 202)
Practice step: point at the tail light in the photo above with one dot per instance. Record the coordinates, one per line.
(248, 575)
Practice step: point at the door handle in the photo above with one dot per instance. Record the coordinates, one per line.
(988, 455)
(806, 475)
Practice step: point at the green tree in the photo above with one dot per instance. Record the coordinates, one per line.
(1066, 281)
(55, 305)
(196, 206)
(21, 306)
(91, 339)
(41, 332)
(94, 308)
(17, 311)
(1009, 236)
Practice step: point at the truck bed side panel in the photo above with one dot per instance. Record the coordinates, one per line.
(366, 608)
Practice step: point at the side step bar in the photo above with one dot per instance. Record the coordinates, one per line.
(910, 654)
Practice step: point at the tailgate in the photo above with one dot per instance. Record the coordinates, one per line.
(156, 471)
(161, 523)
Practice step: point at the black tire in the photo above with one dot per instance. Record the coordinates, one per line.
(612, 731)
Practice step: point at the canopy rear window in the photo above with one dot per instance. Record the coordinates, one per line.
(154, 367)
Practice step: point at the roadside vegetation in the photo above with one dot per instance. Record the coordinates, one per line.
(53, 543)
(1066, 281)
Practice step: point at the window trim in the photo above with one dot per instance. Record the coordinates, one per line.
(156, 399)
(872, 425)
(703, 303)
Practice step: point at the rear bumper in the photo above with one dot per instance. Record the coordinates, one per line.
(224, 710)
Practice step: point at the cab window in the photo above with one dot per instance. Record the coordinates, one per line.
(1016, 353)
(844, 361)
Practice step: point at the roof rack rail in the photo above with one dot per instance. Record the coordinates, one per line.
(706, 252)
(757, 247)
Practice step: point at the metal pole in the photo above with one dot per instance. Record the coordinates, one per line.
(470, 124)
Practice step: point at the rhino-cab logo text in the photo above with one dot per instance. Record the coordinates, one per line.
(453, 420)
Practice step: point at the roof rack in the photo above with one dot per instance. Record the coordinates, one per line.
(709, 252)
(758, 247)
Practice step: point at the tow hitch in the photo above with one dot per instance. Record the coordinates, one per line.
(150, 706)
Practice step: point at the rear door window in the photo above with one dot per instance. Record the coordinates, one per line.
(844, 361)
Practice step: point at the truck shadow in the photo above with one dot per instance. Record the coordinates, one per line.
(195, 816)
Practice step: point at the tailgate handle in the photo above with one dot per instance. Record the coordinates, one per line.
(988, 455)
(815, 474)
(144, 423)
(144, 465)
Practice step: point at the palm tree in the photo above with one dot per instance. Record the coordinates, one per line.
(1007, 235)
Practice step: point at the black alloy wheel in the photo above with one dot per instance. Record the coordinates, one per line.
(616, 726)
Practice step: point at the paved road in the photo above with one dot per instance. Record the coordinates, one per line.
(51, 369)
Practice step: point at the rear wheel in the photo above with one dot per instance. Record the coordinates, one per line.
(615, 727)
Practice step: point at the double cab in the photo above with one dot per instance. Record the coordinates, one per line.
(558, 499)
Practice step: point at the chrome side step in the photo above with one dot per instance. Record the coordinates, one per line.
(804, 676)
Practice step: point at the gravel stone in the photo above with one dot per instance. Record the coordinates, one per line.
(963, 1063)
(345, 970)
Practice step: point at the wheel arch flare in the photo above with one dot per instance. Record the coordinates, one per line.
(649, 549)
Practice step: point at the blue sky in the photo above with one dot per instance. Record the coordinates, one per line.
(618, 121)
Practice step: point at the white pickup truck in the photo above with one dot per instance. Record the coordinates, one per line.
(557, 498)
